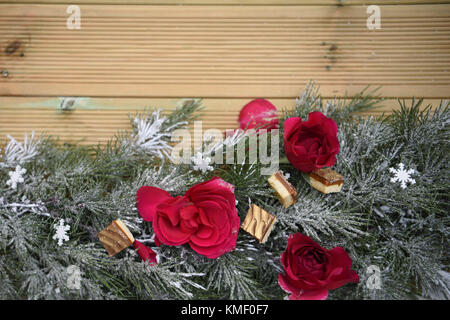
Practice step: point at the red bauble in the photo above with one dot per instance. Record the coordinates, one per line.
(260, 114)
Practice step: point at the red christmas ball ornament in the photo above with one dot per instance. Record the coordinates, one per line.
(259, 113)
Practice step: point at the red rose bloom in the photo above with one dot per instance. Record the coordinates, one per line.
(205, 217)
(310, 270)
(259, 113)
(311, 144)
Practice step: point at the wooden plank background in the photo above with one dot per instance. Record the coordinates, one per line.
(147, 54)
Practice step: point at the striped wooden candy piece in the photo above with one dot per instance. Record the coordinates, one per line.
(258, 223)
(115, 237)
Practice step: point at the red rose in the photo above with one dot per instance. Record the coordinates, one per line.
(205, 217)
(310, 270)
(312, 144)
(259, 113)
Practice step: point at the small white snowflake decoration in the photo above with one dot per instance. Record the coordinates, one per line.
(403, 176)
(16, 177)
(201, 163)
(61, 232)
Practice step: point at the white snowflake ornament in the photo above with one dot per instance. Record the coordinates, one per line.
(201, 163)
(16, 177)
(403, 176)
(61, 232)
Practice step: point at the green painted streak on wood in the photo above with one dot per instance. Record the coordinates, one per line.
(82, 103)
(86, 103)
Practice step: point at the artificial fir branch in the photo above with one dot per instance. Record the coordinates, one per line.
(402, 231)
(339, 109)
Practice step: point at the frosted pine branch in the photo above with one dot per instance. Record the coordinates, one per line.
(16, 153)
(151, 135)
(403, 232)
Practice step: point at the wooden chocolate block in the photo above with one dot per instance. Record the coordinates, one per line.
(115, 237)
(258, 223)
(326, 180)
(284, 191)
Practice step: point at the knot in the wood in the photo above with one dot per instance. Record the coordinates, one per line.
(67, 104)
(13, 47)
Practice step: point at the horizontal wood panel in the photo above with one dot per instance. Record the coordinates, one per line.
(96, 120)
(224, 51)
(235, 2)
(127, 58)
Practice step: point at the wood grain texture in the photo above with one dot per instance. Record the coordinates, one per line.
(126, 58)
(233, 2)
(96, 120)
(229, 51)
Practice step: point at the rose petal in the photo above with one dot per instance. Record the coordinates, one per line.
(145, 253)
(346, 277)
(297, 238)
(216, 214)
(187, 227)
(214, 186)
(319, 294)
(171, 209)
(311, 144)
(169, 234)
(290, 126)
(148, 198)
(157, 241)
(228, 244)
(333, 144)
(310, 270)
(316, 117)
(339, 257)
(210, 238)
(188, 212)
(205, 217)
(212, 252)
(331, 126)
(294, 287)
(204, 232)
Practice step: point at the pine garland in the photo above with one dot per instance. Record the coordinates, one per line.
(404, 232)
